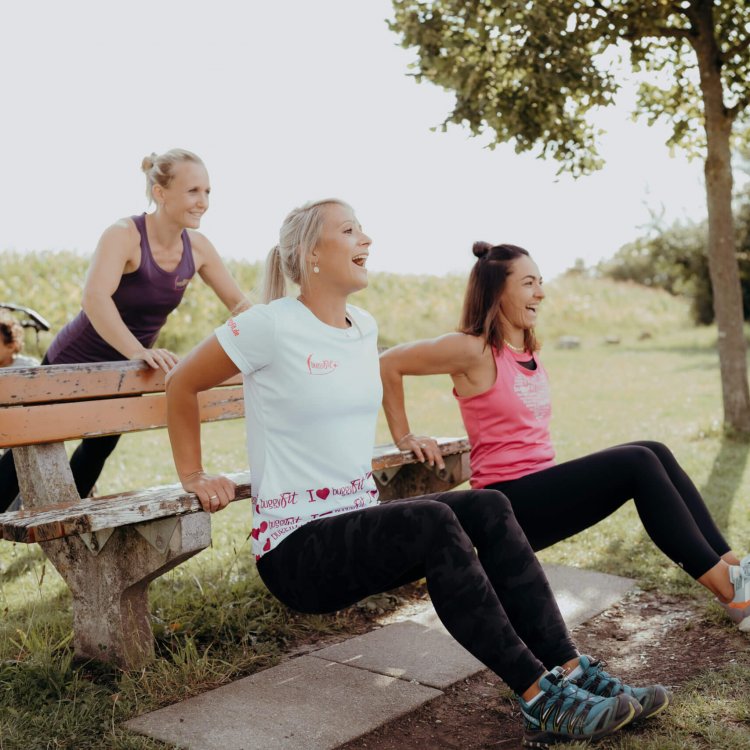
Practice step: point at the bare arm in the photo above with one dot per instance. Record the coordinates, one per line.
(212, 270)
(453, 354)
(206, 366)
(117, 253)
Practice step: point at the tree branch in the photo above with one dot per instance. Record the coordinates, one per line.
(666, 31)
(738, 48)
(598, 6)
(682, 10)
(676, 33)
(741, 104)
(691, 14)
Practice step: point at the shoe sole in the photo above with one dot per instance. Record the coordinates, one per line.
(657, 709)
(541, 740)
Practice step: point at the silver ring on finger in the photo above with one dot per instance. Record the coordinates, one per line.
(213, 497)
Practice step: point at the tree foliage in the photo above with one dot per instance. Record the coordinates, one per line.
(531, 72)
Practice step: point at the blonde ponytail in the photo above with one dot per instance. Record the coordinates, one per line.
(274, 283)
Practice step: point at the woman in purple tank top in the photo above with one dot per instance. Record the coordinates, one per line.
(138, 275)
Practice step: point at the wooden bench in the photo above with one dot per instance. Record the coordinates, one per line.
(108, 549)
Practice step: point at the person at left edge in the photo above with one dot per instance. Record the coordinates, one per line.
(138, 275)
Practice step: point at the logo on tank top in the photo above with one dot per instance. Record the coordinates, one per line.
(320, 366)
(181, 283)
(534, 393)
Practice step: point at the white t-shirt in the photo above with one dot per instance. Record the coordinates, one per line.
(312, 394)
(21, 360)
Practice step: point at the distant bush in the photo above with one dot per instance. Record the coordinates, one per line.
(676, 259)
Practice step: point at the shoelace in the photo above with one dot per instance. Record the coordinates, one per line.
(597, 667)
(564, 683)
(569, 693)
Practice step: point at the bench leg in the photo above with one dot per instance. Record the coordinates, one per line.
(109, 586)
(412, 480)
(111, 619)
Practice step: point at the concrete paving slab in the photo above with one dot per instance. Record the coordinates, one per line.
(304, 704)
(581, 594)
(369, 680)
(421, 649)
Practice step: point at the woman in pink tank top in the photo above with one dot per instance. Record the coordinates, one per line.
(138, 275)
(503, 392)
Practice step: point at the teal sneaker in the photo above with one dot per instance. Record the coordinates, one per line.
(590, 675)
(563, 712)
(739, 608)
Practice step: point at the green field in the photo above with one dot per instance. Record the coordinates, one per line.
(212, 618)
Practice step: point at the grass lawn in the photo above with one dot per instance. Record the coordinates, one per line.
(214, 620)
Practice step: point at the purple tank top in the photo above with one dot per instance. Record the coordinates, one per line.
(144, 299)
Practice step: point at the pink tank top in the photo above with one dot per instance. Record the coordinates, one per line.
(508, 425)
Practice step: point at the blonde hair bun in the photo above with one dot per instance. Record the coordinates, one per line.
(148, 162)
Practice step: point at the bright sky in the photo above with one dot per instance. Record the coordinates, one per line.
(287, 101)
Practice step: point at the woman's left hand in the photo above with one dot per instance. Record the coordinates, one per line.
(424, 448)
(157, 358)
(214, 491)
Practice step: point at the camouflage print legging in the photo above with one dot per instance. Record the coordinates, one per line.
(494, 601)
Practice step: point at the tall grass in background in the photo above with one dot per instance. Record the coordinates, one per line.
(212, 617)
(406, 307)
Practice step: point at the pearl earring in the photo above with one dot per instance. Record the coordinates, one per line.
(315, 267)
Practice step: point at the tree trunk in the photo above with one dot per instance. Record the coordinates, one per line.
(722, 258)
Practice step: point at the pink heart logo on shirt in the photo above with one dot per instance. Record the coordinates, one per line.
(267, 545)
(374, 493)
(323, 494)
(535, 394)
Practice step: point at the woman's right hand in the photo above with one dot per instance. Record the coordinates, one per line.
(156, 358)
(423, 447)
(214, 491)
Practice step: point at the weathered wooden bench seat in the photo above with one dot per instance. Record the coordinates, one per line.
(108, 549)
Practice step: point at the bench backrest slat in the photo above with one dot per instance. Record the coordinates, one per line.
(48, 423)
(53, 383)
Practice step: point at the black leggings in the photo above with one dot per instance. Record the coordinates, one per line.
(556, 503)
(495, 601)
(86, 463)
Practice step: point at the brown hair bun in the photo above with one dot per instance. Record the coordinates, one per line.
(480, 249)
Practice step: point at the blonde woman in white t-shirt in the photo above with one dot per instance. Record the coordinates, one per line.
(322, 540)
